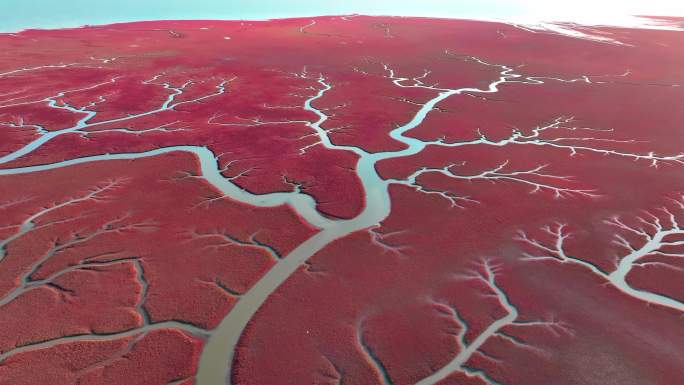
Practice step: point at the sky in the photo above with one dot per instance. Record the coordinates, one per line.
(21, 14)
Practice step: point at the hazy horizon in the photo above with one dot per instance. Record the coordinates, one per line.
(75, 13)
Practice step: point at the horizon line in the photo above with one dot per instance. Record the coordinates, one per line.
(659, 21)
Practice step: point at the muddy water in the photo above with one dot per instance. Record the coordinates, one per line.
(217, 357)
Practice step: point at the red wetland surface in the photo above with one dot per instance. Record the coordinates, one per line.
(341, 200)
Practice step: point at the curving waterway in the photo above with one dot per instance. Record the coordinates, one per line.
(217, 357)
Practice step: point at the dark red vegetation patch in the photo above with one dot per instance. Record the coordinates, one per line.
(155, 357)
(112, 248)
